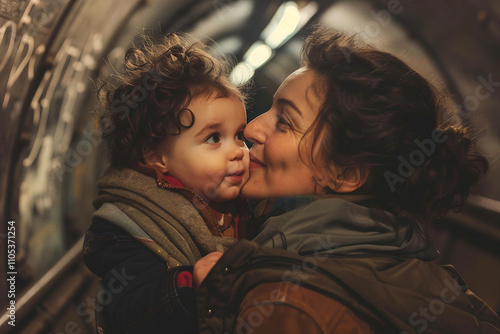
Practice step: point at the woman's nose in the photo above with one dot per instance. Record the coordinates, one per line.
(256, 130)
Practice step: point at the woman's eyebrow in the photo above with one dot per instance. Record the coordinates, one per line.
(290, 103)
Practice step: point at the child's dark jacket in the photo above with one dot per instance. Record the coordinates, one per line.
(144, 238)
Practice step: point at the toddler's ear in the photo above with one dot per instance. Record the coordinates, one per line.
(156, 160)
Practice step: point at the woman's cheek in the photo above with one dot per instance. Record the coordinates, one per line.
(255, 188)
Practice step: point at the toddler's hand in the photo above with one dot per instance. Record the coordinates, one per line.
(203, 266)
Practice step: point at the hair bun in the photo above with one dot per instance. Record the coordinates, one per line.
(459, 146)
(454, 168)
(456, 134)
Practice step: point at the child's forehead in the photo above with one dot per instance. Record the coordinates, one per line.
(208, 107)
(203, 101)
(214, 94)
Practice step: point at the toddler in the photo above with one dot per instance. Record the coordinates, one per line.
(174, 126)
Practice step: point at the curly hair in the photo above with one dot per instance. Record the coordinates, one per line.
(143, 103)
(382, 118)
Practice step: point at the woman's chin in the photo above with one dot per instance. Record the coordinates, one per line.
(250, 196)
(252, 192)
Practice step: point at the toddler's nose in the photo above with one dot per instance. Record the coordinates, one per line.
(237, 150)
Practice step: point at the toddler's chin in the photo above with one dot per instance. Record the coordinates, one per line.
(227, 196)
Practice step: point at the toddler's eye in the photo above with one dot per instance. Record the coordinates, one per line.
(214, 138)
(239, 136)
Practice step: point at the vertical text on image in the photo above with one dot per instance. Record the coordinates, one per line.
(11, 271)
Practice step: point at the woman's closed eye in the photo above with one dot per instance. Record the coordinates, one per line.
(214, 138)
(282, 123)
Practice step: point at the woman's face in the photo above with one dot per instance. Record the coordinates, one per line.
(276, 167)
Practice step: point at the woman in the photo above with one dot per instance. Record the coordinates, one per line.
(357, 160)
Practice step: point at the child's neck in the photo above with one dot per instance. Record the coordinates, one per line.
(222, 207)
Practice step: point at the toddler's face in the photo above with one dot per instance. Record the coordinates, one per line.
(210, 157)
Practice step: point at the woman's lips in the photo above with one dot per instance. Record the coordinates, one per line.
(255, 163)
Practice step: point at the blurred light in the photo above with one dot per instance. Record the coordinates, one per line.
(282, 25)
(258, 54)
(241, 73)
(286, 22)
(306, 13)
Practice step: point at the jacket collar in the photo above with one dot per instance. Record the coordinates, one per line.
(336, 224)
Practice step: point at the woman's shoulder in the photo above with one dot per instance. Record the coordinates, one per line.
(283, 307)
(387, 292)
(249, 277)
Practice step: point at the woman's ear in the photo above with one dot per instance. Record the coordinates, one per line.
(348, 181)
(155, 159)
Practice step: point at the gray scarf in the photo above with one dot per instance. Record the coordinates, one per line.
(161, 219)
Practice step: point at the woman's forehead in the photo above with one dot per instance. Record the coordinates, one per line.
(300, 88)
(300, 80)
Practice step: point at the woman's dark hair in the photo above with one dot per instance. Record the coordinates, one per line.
(382, 118)
(143, 103)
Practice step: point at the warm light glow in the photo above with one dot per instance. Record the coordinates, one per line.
(241, 73)
(287, 20)
(282, 25)
(258, 54)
